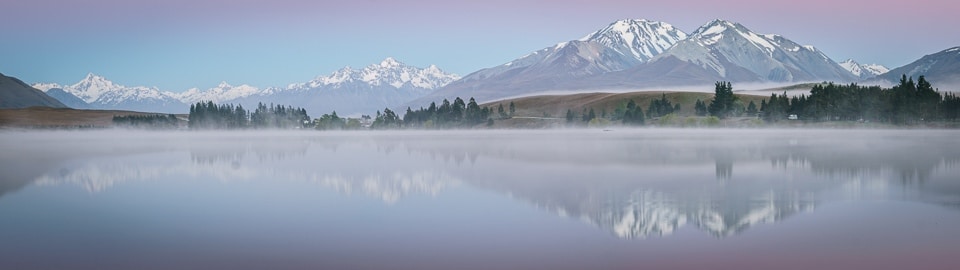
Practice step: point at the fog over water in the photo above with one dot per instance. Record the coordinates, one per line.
(574, 199)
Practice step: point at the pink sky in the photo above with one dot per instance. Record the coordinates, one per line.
(461, 36)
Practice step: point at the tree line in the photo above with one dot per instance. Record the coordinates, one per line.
(207, 115)
(456, 114)
(908, 102)
(332, 121)
(152, 121)
(447, 115)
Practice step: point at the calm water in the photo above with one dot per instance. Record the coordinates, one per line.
(587, 199)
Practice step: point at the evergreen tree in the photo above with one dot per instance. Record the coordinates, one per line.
(457, 110)
(633, 114)
(723, 99)
(700, 108)
(473, 114)
(154, 121)
(387, 120)
(752, 109)
(207, 115)
(660, 107)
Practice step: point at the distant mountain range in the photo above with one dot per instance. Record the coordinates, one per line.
(623, 56)
(347, 91)
(99, 93)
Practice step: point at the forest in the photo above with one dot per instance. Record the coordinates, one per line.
(207, 115)
(907, 103)
(152, 121)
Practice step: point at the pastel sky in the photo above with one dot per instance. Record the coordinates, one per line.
(179, 44)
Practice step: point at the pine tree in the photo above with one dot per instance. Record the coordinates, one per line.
(723, 100)
(752, 109)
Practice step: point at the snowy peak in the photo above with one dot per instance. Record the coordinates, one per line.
(731, 51)
(640, 38)
(388, 72)
(92, 87)
(98, 89)
(618, 46)
(389, 62)
(852, 66)
(222, 92)
(716, 30)
(93, 80)
(863, 71)
(875, 69)
(97, 92)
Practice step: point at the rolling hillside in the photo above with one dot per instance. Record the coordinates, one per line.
(556, 106)
(42, 117)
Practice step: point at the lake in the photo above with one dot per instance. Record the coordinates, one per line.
(543, 199)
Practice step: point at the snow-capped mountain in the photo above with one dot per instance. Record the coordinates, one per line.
(348, 91)
(648, 213)
(621, 45)
(388, 72)
(223, 92)
(942, 69)
(724, 50)
(641, 38)
(635, 54)
(863, 71)
(101, 93)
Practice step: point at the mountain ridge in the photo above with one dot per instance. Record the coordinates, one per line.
(15, 94)
(942, 68)
(396, 81)
(863, 71)
(619, 57)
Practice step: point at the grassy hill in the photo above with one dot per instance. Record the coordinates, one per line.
(549, 111)
(14, 93)
(556, 106)
(44, 117)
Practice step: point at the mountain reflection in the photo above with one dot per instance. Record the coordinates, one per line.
(634, 184)
(644, 214)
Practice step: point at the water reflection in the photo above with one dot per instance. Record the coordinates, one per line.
(634, 184)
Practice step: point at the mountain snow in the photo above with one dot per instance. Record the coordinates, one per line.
(733, 51)
(621, 45)
(863, 71)
(101, 93)
(641, 38)
(388, 72)
(97, 89)
(875, 69)
(388, 83)
(223, 92)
